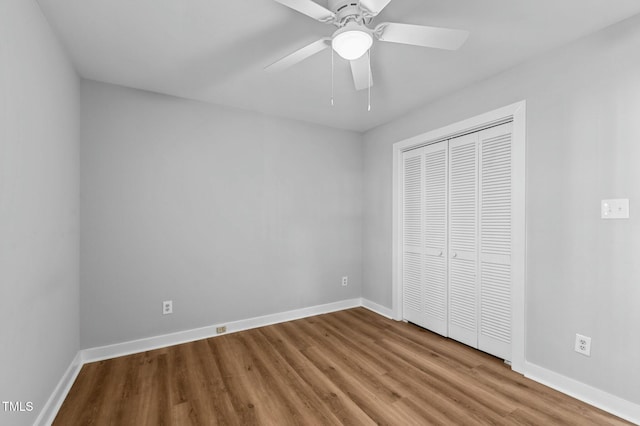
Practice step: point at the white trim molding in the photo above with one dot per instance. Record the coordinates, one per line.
(377, 308)
(517, 113)
(585, 393)
(588, 394)
(157, 342)
(50, 409)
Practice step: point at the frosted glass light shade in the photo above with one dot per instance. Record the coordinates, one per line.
(352, 44)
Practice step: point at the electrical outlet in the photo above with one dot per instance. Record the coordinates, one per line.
(583, 345)
(220, 330)
(167, 307)
(345, 281)
(614, 209)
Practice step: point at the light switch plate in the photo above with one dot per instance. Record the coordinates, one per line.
(615, 208)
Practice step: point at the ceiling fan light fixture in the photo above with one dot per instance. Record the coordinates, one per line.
(351, 42)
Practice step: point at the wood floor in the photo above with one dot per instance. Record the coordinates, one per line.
(351, 367)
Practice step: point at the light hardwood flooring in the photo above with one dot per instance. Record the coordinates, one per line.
(351, 367)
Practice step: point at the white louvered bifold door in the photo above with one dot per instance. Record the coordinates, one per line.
(463, 241)
(495, 190)
(435, 237)
(457, 238)
(413, 237)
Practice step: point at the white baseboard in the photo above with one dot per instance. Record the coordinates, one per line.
(598, 398)
(378, 309)
(586, 393)
(50, 409)
(156, 342)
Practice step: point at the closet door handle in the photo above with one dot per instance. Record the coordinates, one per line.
(455, 254)
(440, 254)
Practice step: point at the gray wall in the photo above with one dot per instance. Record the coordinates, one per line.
(233, 214)
(39, 93)
(583, 145)
(228, 213)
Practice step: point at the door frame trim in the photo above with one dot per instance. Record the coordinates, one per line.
(515, 112)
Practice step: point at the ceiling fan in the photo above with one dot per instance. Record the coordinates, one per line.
(354, 37)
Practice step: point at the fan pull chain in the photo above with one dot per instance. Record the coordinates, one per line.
(332, 76)
(369, 57)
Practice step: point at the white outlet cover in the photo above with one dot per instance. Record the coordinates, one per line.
(583, 345)
(167, 307)
(614, 208)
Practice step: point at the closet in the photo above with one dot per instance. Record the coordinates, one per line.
(457, 238)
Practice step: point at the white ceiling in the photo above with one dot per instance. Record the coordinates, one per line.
(215, 50)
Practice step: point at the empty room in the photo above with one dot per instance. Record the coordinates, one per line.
(319, 212)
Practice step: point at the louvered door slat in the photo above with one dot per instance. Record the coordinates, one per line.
(412, 234)
(412, 277)
(462, 294)
(412, 201)
(495, 240)
(463, 239)
(435, 237)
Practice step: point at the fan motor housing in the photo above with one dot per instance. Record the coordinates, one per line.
(346, 11)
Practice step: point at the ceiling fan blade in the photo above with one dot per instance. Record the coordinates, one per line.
(374, 6)
(310, 8)
(361, 72)
(419, 35)
(299, 55)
